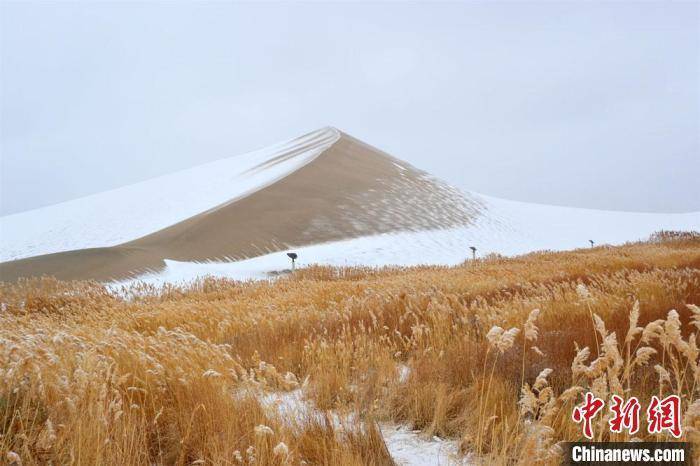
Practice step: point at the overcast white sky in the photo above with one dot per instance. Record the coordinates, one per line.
(583, 104)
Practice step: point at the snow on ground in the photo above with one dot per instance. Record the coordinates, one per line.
(407, 447)
(506, 227)
(292, 407)
(404, 372)
(514, 227)
(120, 215)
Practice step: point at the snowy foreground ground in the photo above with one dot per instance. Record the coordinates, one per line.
(407, 447)
(507, 228)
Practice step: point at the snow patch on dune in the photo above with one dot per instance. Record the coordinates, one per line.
(124, 214)
(506, 227)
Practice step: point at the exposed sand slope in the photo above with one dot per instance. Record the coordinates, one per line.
(349, 190)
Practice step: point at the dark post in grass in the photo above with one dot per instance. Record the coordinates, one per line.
(591, 241)
(293, 256)
(473, 252)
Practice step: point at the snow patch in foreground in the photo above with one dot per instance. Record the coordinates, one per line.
(407, 447)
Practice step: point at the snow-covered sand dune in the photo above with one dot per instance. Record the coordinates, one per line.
(124, 214)
(333, 199)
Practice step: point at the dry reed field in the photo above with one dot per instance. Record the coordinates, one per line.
(494, 353)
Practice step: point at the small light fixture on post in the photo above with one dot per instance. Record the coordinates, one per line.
(473, 252)
(293, 256)
(591, 241)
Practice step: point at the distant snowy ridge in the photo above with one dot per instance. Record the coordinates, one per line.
(124, 214)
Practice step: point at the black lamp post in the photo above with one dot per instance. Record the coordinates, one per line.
(293, 256)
